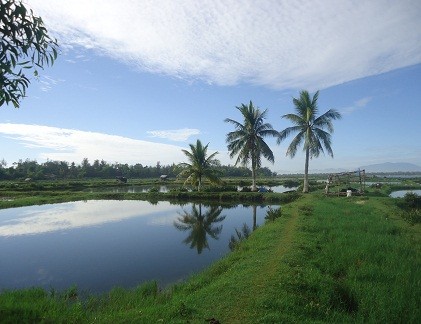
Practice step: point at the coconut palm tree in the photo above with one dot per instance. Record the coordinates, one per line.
(200, 165)
(200, 226)
(247, 141)
(312, 131)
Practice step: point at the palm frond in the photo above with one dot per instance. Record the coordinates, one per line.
(292, 148)
(287, 131)
(325, 139)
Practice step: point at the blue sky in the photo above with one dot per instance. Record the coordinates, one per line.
(139, 82)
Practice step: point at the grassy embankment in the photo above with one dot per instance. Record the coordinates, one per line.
(326, 259)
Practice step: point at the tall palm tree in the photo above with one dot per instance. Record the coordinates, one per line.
(200, 226)
(313, 132)
(200, 165)
(248, 139)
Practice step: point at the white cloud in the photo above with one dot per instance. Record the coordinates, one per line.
(60, 144)
(361, 103)
(75, 145)
(178, 135)
(279, 44)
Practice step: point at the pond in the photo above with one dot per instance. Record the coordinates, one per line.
(281, 189)
(167, 188)
(402, 193)
(97, 245)
(133, 188)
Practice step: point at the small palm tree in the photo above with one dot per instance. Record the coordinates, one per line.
(200, 165)
(310, 128)
(248, 139)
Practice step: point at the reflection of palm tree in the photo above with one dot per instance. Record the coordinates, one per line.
(245, 231)
(200, 226)
(254, 217)
(241, 235)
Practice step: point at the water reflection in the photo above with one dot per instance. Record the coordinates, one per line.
(239, 236)
(200, 225)
(100, 244)
(57, 217)
(245, 231)
(402, 193)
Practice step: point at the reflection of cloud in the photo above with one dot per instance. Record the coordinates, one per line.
(260, 42)
(175, 134)
(361, 103)
(162, 220)
(42, 219)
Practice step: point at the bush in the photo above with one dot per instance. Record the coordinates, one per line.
(412, 216)
(219, 189)
(412, 200)
(291, 183)
(273, 214)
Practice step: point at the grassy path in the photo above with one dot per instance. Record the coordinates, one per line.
(262, 280)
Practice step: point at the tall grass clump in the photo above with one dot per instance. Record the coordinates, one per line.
(410, 205)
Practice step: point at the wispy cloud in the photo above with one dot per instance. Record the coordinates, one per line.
(47, 82)
(75, 145)
(177, 135)
(361, 103)
(279, 44)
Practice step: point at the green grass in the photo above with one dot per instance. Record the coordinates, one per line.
(325, 260)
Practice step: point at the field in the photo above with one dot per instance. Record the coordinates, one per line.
(325, 259)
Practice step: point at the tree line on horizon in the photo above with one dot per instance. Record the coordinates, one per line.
(101, 169)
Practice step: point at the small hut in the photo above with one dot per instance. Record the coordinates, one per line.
(344, 183)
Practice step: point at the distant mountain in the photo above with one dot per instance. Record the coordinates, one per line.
(331, 170)
(387, 167)
(391, 167)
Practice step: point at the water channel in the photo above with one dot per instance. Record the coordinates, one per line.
(97, 245)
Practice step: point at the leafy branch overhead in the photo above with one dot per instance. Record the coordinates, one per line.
(25, 48)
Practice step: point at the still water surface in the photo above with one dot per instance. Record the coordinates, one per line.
(167, 188)
(97, 245)
(402, 193)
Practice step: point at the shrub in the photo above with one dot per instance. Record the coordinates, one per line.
(291, 183)
(412, 216)
(273, 214)
(412, 200)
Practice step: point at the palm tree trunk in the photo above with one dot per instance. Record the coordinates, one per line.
(253, 174)
(305, 186)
